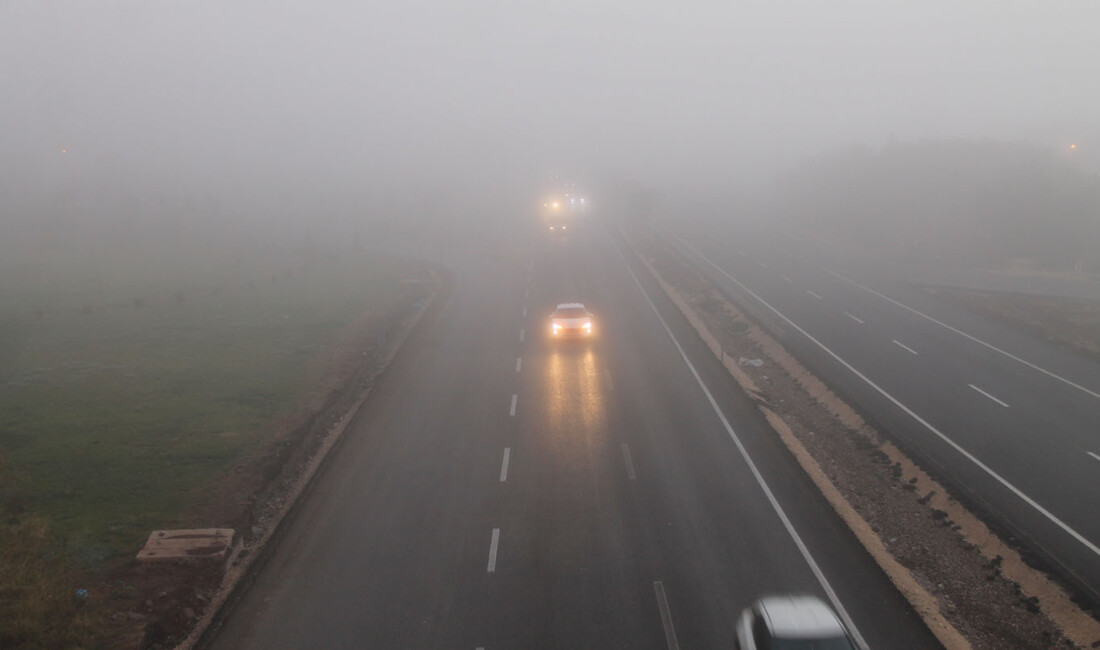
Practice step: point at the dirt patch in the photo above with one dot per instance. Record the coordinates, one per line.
(1073, 323)
(158, 605)
(971, 588)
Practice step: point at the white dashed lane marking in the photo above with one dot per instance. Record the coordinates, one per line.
(786, 279)
(988, 395)
(854, 317)
(519, 363)
(607, 379)
(904, 346)
(814, 294)
(512, 411)
(964, 334)
(504, 464)
(666, 616)
(521, 336)
(493, 551)
(1093, 455)
(762, 265)
(628, 460)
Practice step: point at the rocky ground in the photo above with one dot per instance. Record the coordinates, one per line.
(972, 588)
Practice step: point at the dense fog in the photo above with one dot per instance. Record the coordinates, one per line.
(283, 118)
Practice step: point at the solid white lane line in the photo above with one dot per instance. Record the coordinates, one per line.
(1093, 455)
(521, 335)
(512, 411)
(927, 425)
(780, 513)
(969, 336)
(628, 460)
(666, 616)
(786, 279)
(855, 318)
(504, 464)
(814, 294)
(493, 551)
(519, 363)
(988, 395)
(904, 346)
(762, 264)
(607, 379)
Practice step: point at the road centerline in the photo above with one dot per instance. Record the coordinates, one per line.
(504, 464)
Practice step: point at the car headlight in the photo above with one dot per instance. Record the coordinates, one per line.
(556, 327)
(587, 327)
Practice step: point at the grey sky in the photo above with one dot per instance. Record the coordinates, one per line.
(686, 95)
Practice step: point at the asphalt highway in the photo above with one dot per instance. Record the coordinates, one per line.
(1008, 419)
(502, 490)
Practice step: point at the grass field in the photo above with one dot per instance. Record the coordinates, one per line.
(126, 387)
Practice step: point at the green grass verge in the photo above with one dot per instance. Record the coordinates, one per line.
(127, 388)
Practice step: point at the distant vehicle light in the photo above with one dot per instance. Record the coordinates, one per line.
(555, 204)
(1073, 146)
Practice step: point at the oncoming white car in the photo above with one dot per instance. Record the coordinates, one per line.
(572, 320)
